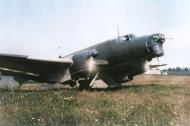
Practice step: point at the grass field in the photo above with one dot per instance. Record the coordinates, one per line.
(148, 101)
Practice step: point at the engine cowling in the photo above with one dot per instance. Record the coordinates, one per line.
(81, 62)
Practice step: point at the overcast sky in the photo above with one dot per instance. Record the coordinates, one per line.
(38, 27)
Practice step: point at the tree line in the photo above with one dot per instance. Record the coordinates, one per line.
(177, 69)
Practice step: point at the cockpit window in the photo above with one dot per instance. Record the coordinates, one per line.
(128, 37)
(123, 38)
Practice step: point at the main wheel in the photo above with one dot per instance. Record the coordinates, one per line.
(84, 84)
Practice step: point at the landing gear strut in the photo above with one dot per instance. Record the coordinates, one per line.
(87, 84)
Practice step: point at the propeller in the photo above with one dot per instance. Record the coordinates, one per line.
(158, 60)
(148, 66)
(91, 64)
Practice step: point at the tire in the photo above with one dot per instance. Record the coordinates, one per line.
(84, 84)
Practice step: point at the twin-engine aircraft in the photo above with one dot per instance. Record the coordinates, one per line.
(114, 61)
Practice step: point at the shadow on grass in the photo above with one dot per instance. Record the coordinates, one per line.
(139, 88)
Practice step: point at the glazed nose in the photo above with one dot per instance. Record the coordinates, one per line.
(155, 45)
(159, 38)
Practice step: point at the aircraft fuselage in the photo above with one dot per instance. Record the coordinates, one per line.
(125, 56)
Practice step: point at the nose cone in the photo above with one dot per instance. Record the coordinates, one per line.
(155, 43)
(159, 38)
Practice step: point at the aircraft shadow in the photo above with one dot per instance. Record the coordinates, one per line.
(123, 87)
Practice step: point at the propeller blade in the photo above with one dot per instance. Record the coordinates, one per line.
(158, 60)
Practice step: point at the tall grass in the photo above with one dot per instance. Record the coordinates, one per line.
(136, 105)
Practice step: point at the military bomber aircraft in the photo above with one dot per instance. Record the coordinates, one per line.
(114, 61)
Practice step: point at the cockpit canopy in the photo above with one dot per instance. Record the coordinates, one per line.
(127, 37)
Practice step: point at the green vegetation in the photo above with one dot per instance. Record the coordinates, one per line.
(134, 105)
(177, 71)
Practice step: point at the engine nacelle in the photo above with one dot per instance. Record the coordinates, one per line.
(81, 62)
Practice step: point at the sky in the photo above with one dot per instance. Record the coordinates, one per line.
(47, 28)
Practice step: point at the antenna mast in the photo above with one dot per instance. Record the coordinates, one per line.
(118, 34)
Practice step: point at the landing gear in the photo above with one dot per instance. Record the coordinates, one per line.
(84, 84)
(110, 82)
(130, 77)
(87, 84)
(71, 83)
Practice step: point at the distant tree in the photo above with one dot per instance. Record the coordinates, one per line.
(169, 69)
(178, 69)
(164, 70)
(173, 69)
(185, 69)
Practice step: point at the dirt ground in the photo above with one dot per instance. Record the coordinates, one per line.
(160, 79)
(138, 80)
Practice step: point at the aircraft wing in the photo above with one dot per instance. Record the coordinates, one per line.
(157, 65)
(41, 69)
